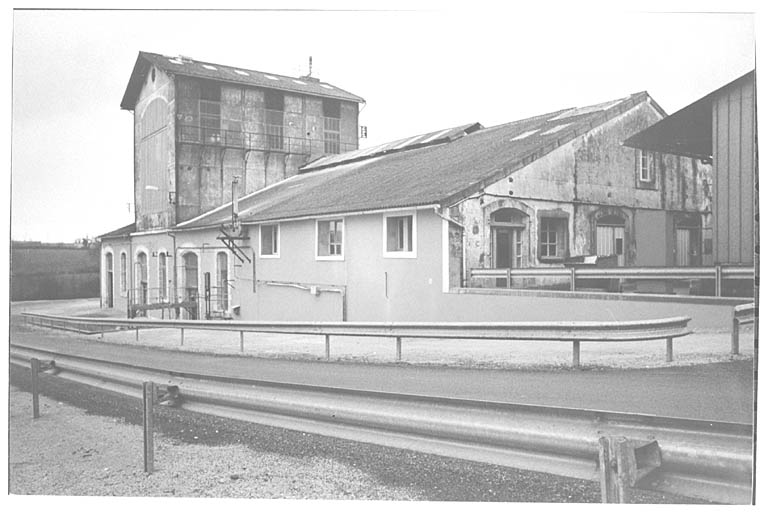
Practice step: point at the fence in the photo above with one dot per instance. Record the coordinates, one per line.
(573, 332)
(697, 458)
(719, 274)
(744, 314)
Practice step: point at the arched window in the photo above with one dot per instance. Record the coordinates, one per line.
(123, 272)
(222, 280)
(109, 279)
(162, 276)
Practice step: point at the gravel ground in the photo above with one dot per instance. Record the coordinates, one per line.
(699, 348)
(92, 447)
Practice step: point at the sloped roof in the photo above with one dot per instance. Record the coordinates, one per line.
(119, 232)
(687, 132)
(188, 67)
(406, 144)
(424, 175)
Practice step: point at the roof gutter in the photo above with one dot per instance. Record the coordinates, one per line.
(433, 206)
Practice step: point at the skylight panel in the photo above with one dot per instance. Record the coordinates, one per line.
(299, 82)
(176, 61)
(272, 77)
(525, 135)
(243, 73)
(208, 66)
(556, 129)
(326, 86)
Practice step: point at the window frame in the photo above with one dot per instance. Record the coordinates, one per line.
(330, 257)
(414, 232)
(123, 273)
(561, 238)
(275, 241)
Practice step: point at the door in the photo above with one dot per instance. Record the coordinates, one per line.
(610, 242)
(110, 282)
(683, 247)
(509, 247)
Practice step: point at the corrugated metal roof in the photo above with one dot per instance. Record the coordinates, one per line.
(188, 67)
(431, 174)
(437, 137)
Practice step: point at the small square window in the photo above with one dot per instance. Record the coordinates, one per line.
(399, 236)
(270, 241)
(330, 239)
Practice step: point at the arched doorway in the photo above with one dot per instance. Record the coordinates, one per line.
(110, 280)
(142, 285)
(189, 281)
(508, 236)
(222, 281)
(610, 236)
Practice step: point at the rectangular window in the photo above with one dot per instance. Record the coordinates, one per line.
(552, 234)
(399, 236)
(210, 121)
(270, 241)
(274, 105)
(330, 239)
(647, 166)
(331, 123)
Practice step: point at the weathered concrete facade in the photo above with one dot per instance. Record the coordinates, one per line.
(192, 136)
(586, 190)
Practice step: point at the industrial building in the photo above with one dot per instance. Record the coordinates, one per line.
(321, 230)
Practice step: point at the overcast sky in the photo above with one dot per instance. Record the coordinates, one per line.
(72, 156)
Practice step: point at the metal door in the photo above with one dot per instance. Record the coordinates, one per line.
(683, 247)
(610, 241)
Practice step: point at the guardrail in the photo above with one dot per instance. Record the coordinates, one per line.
(696, 458)
(573, 332)
(717, 273)
(743, 314)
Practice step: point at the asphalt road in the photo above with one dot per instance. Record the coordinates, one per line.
(717, 392)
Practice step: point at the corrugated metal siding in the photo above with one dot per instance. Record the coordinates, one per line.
(733, 131)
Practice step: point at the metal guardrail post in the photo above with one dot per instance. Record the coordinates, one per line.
(614, 469)
(399, 348)
(718, 280)
(576, 354)
(573, 279)
(35, 370)
(137, 334)
(242, 341)
(623, 463)
(182, 336)
(327, 347)
(670, 355)
(509, 278)
(148, 398)
(736, 327)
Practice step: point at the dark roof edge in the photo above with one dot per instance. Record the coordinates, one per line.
(533, 155)
(123, 232)
(356, 211)
(130, 97)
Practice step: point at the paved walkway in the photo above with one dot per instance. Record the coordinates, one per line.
(719, 392)
(698, 348)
